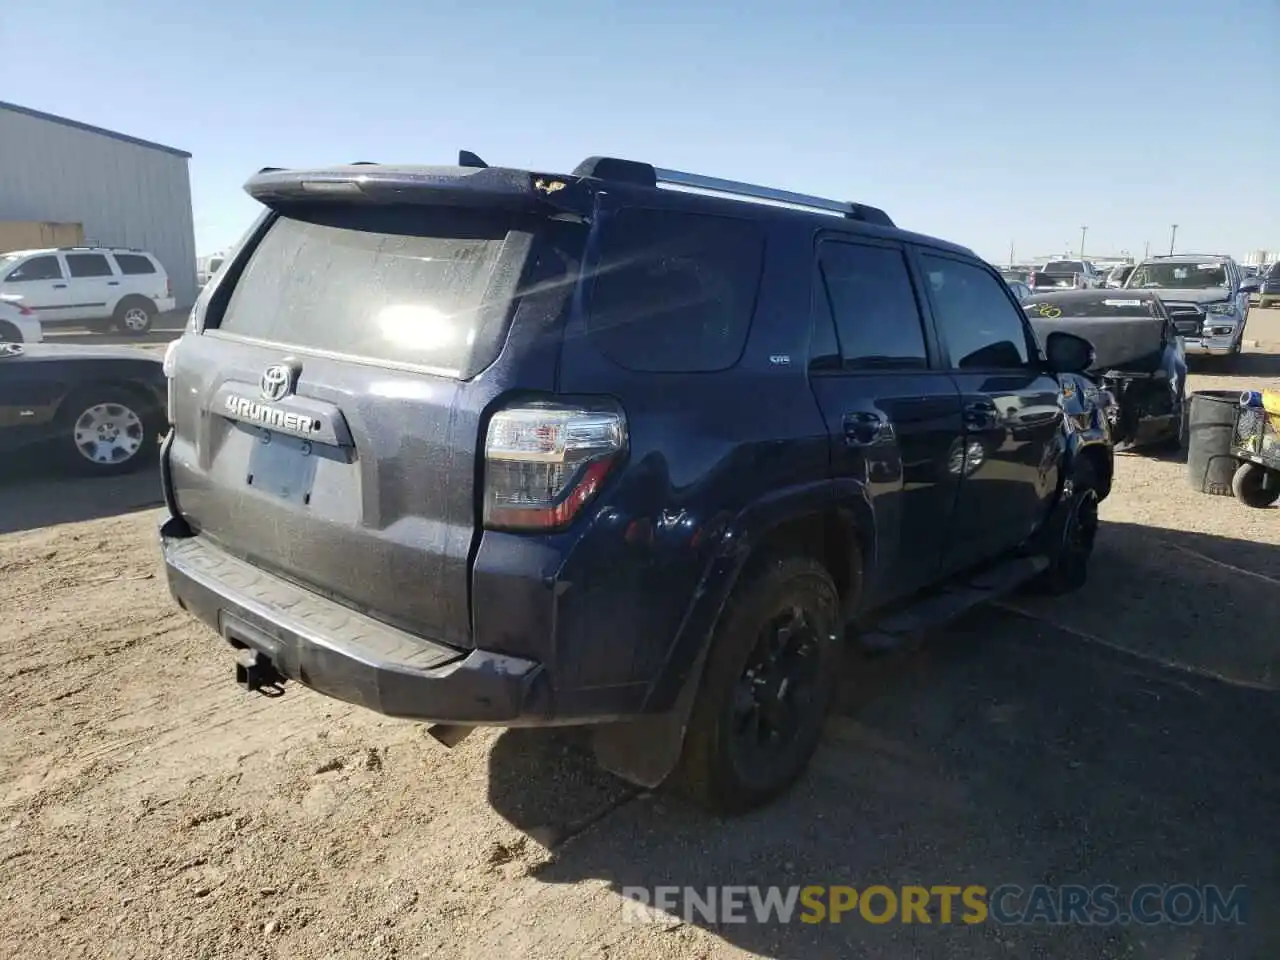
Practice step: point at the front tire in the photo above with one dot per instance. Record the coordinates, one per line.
(108, 431)
(1250, 485)
(1071, 533)
(768, 685)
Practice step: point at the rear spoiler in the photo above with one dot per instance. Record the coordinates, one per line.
(460, 186)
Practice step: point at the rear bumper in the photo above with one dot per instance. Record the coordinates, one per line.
(344, 654)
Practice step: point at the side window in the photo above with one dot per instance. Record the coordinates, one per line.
(983, 330)
(88, 265)
(37, 268)
(874, 305)
(131, 264)
(674, 292)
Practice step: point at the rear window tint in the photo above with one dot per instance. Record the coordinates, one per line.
(395, 285)
(674, 292)
(133, 265)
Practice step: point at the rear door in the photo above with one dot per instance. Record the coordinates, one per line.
(328, 416)
(894, 420)
(1011, 408)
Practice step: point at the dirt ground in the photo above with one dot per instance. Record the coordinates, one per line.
(148, 808)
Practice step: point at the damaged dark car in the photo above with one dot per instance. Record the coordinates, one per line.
(1139, 358)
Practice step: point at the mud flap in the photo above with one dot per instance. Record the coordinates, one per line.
(646, 751)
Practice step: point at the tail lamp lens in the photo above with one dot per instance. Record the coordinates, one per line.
(543, 464)
(169, 367)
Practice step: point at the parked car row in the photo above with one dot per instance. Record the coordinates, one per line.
(1206, 296)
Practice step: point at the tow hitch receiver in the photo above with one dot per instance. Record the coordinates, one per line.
(257, 674)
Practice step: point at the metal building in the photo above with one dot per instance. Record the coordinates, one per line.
(123, 191)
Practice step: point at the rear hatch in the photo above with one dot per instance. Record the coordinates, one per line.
(328, 414)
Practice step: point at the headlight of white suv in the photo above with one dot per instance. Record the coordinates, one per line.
(1222, 309)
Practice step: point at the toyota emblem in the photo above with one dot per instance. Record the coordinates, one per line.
(277, 381)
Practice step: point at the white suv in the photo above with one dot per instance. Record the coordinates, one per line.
(100, 287)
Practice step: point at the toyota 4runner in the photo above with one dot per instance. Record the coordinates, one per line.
(629, 447)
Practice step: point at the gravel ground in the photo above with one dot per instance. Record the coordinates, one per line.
(149, 809)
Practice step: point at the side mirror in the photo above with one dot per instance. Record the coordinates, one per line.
(1252, 285)
(1068, 353)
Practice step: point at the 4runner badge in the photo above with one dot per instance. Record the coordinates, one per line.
(276, 382)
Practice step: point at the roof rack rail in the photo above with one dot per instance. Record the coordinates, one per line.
(751, 191)
(101, 247)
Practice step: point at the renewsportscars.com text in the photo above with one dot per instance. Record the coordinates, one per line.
(1147, 904)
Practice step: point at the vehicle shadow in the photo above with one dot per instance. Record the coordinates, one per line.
(36, 493)
(1016, 747)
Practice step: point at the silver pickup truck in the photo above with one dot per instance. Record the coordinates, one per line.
(1203, 296)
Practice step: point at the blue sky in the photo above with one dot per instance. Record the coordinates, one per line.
(983, 122)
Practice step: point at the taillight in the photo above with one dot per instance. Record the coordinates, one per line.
(544, 463)
(24, 311)
(168, 287)
(170, 366)
(1031, 279)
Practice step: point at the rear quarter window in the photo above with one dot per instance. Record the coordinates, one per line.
(132, 264)
(674, 292)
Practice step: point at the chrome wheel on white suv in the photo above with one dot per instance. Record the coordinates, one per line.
(134, 317)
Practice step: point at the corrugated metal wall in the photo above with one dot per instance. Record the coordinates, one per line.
(125, 194)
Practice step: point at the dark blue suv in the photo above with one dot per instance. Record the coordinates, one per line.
(627, 447)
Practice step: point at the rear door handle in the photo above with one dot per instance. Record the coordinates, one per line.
(59, 286)
(864, 428)
(113, 283)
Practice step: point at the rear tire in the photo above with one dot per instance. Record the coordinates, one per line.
(108, 430)
(134, 316)
(9, 333)
(767, 687)
(1071, 533)
(1248, 485)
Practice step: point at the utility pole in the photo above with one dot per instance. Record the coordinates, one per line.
(1146, 249)
(1173, 235)
(1083, 231)
(1011, 253)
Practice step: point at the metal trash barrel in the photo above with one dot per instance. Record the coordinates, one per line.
(1210, 433)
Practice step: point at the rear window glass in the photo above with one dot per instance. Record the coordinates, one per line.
(674, 292)
(1117, 307)
(131, 264)
(1063, 266)
(395, 285)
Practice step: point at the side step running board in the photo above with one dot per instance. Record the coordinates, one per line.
(936, 608)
